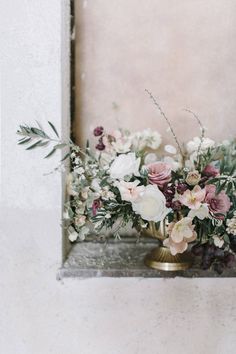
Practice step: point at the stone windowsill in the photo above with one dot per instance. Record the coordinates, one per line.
(122, 259)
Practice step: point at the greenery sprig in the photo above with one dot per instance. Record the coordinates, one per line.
(34, 137)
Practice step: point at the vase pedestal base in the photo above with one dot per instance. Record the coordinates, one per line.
(160, 258)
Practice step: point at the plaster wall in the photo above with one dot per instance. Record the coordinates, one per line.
(40, 315)
(182, 51)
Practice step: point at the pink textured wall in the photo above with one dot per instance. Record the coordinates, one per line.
(183, 51)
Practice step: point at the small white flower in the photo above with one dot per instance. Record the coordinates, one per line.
(201, 213)
(175, 165)
(79, 170)
(193, 145)
(122, 145)
(66, 215)
(96, 185)
(151, 204)
(150, 158)
(84, 193)
(69, 185)
(231, 225)
(125, 165)
(108, 216)
(84, 231)
(146, 138)
(218, 242)
(73, 235)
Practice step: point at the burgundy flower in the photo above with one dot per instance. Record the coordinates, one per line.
(96, 205)
(182, 187)
(211, 171)
(159, 173)
(100, 146)
(98, 131)
(218, 204)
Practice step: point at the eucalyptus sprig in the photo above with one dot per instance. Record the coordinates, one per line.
(34, 137)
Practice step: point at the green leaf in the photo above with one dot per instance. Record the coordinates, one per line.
(60, 146)
(53, 128)
(24, 141)
(34, 145)
(50, 153)
(226, 238)
(43, 143)
(65, 157)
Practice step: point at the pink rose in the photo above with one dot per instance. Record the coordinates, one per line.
(218, 204)
(211, 171)
(159, 173)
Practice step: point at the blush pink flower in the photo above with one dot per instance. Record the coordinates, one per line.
(159, 173)
(193, 198)
(218, 204)
(180, 234)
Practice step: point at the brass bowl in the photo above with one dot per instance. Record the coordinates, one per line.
(160, 258)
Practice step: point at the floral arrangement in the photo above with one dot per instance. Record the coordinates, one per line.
(134, 179)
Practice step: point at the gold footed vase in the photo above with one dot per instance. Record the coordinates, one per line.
(160, 257)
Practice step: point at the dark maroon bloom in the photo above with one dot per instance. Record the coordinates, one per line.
(98, 131)
(100, 146)
(96, 205)
(211, 171)
(182, 187)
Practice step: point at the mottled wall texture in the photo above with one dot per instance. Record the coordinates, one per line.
(184, 51)
(39, 315)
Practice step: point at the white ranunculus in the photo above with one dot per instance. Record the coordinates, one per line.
(151, 204)
(193, 145)
(201, 213)
(125, 165)
(129, 191)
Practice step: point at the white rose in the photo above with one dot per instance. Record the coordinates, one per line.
(193, 145)
(151, 204)
(125, 165)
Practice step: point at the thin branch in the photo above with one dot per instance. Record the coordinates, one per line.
(202, 129)
(166, 119)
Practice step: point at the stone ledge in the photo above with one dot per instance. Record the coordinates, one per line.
(122, 259)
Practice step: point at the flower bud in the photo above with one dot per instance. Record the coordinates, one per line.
(193, 178)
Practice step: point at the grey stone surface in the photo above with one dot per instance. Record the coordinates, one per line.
(122, 259)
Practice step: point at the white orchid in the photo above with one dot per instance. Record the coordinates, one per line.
(201, 213)
(130, 191)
